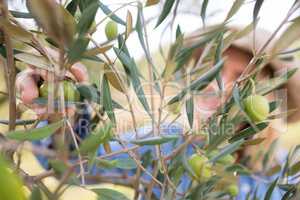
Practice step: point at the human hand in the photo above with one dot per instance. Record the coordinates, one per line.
(27, 86)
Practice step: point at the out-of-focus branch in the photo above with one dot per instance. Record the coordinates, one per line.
(10, 70)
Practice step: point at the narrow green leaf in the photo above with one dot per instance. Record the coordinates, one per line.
(36, 133)
(18, 14)
(83, 4)
(58, 166)
(203, 10)
(72, 7)
(270, 190)
(190, 111)
(218, 57)
(87, 18)
(247, 132)
(96, 138)
(166, 10)
(274, 105)
(89, 92)
(229, 149)
(239, 169)
(19, 122)
(107, 100)
(111, 15)
(109, 194)
(289, 36)
(108, 164)
(134, 75)
(269, 153)
(294, 169)
(125, 163)
(266, 86)
(185, 54)
(290, 194)
(274, 170)
(155, 140)
(139, 29)
(77, 49)
(200, 83)
(235, 7)
(256, 10)
(36, 194)
(31, 59)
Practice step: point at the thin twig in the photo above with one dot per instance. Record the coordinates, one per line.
(78, 151)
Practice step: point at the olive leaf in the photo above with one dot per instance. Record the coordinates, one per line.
(227, 150)
(266, 86)
(256, 9)
(97, 50)
(199, 83)
(166, 10)
(110, 14)
(18, 14)
(87, 18)
(234, 8)
(185, 54)
(155, 140)
(109, 194)
(72, 7)
(128, 24)
(15, 31)
(36, 194)
(35, 60)
(115, 79)
(190, 111)
(77, 49)
(203, 10)
(107, 100)
(35, 133)
(270, 190)
(96, 138)
(134, 75)
(290, 35)
(248, 132)
(55, 20)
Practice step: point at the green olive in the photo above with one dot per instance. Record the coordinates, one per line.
(11, 185)
(111, 30)
(257, 107)
(225, 160)
(200, 166)
(232, 190)
(70, 91)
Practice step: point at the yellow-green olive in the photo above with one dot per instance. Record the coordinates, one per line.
(11, 185)
(232, 190)
(111, 30)
(257, 107)
(70, 92)
(225, 160)
(200, 166)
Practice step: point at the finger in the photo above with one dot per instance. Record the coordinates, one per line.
(42, 73)
(80, 72)
(27, 86)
